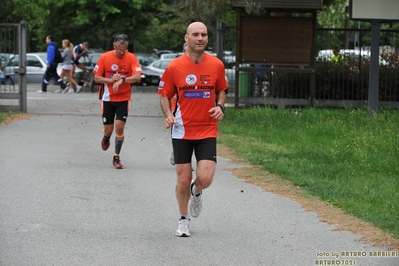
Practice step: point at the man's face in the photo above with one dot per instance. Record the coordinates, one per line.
(120, 49)
(48, 40)
(197, 38)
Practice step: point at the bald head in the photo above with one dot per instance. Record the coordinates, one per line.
(196, 26)
(196, 38)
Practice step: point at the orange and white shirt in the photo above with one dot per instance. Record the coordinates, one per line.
(108, 65)
(196, 86)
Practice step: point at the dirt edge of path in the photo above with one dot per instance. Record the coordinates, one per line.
(326, 212)
(274, 184)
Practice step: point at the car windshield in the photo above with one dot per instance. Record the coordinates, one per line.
(145, 59)
(14, 61)
(43, 57)
(162, 64)
(94, 58)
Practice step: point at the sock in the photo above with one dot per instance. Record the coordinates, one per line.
(106, 138)
(119, 143)
(193, 192)
(187, 216)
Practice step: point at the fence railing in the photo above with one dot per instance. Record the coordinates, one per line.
(337, 83)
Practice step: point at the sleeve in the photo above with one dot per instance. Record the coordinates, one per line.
(222, 82)
(136, 68)
(65, 53)
(166, 86)
(99, 68)
(75, 50)
(51, 55)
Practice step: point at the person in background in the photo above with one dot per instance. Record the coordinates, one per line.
(337, 58)
(67, 65)
(79, 51)
(116, 70)
(51, 70)
(198, 80)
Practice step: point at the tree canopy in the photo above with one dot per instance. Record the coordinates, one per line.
(151, 24)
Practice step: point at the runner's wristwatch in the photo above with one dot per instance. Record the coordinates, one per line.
(221, 106)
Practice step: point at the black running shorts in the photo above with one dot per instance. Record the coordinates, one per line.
(114, 111)
(204, 149)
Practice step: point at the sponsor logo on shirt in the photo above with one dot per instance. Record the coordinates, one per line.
(191, 79)
(114, 67)
(201, 87)
(197, 94)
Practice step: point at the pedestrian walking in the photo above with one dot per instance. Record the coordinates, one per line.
(198, 80)
(67, 66)
(116, 70)
(51, 70)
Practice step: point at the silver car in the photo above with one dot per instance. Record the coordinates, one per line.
(36, 65)
(158, 66)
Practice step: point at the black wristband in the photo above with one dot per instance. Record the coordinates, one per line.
(221, 107)
(124, 79)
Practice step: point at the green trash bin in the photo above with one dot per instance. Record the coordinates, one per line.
(245, 78)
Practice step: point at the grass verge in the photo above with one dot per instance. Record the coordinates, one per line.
(343, 157)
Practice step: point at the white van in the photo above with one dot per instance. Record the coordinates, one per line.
(168, 56)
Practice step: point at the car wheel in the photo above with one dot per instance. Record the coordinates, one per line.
(9, 81)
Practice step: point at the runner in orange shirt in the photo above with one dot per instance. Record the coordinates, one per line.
(198, 80)
(117, 70)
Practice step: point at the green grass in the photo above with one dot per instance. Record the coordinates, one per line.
(4, 115)
(344, 157)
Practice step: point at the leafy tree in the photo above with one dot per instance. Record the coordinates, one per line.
(170, 24)
(98, 21)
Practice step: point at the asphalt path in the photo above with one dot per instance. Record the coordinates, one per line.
(62, 202)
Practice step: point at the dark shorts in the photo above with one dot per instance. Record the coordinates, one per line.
(114, 111)
(204, 149)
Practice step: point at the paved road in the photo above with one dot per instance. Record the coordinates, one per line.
(62, 202)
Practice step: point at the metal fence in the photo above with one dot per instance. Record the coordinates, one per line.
(337, 84)
(13, 41)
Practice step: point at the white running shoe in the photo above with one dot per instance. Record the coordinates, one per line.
(78, 89)
(195, 203)
(58, 91)
(65, 90)
(182, 229)
(172, 158)
(40, 91)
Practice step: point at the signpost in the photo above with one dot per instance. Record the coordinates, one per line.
(374, 12)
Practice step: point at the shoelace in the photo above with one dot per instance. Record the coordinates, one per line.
(183, 224)
(197, 199)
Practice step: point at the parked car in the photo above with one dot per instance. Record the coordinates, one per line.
(153, 72)
(149, 77)
(4, 58)
(145, 59)
(169, 56)
(158, 66)
(325, 55)
(160, 52)
(2, 78)
(36, 65)
(94, 57)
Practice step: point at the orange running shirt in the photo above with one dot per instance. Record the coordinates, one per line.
(196, 86)
(108, 65)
